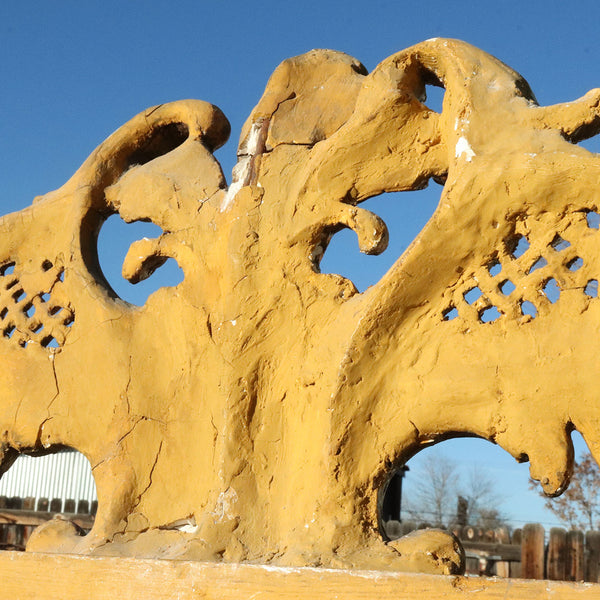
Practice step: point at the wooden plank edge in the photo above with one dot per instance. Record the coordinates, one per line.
(31, 576)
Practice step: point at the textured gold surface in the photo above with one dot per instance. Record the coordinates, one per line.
(252, 412)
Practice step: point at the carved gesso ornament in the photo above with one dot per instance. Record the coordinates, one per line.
(252, 412)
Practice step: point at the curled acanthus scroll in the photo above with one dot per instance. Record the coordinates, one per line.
(253, 411)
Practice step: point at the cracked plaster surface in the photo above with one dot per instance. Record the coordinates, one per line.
(252, 412)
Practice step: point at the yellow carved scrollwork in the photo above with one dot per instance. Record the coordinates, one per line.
(253, 411)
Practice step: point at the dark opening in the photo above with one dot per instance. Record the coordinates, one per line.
(160, 141)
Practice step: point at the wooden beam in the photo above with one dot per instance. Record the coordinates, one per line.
(508, 552)
(29, 576)
(34, 517)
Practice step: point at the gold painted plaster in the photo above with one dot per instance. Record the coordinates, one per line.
(252, 412)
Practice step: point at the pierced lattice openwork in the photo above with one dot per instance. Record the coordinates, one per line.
(524, 277)
(30, 312)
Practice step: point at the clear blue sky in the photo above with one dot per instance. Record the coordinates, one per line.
(72, 72)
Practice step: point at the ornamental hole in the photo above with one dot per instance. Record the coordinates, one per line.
(7, 268)
(593, 219)
(489, 314)
(575, 264)
(19, 295)
(114, 241)
(494, 268)
(591, 288)
(551, 290)
(405, 214)
(517, 246)
(559, 244)
(49, 342)
(471, 296)
(507, 287)
(434, 98)
(538, 264)
(528, 309)
(472, 488)
(450, 313)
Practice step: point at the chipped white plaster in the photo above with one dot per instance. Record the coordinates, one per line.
(463, 147)
(242, 171)
(189, 528)
(225, 503)
(240, 174)
(187, 525)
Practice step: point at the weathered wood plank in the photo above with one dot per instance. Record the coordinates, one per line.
(575, 557)
(592, 544)
(532, 551)
(556, 561)
(28, 576)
